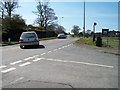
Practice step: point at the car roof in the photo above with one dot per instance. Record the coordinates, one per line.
(61, 34)
(29, 32)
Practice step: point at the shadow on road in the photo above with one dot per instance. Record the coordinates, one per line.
(35, 47)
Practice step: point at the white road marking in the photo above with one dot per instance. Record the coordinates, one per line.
(49, 51)
(68, 45)
(31, 57)
(8, 70)
(16, 62)
(55, 49)
(100, 65)
(28, 58)
(43, 54)
(24, 64)
(63, 46)
(37, 59)
(35, 56)
(59, 48)
(2, 67)
(17, 80)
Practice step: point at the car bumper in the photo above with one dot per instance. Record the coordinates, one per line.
(61, 37)
(29, 43)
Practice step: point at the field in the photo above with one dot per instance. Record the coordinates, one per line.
(110, 42)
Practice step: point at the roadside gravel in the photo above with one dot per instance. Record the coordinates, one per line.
(102, 49)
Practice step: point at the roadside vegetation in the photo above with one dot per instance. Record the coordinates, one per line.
(17, 42)
(85, 40)
(110, 42)
(8, 43)
(13, 25)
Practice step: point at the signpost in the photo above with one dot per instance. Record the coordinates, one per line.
(94, 31)
(105, 34)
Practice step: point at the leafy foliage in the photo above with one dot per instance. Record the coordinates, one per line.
(75, 30)
(13, 26)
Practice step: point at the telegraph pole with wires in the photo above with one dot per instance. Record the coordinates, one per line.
(84, 21)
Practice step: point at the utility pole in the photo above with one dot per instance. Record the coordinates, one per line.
(2, 17)
(84, 21)
(60, 20)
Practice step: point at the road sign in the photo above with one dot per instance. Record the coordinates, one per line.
(105, 32)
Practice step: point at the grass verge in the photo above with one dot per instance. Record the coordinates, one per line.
(87, 41)
(8, 43)
(13, 42)
(110, 42)
(47, 38)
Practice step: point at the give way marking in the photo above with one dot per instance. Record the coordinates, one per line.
(84, 63)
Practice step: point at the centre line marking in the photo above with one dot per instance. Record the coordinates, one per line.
(63, 47)
(43, 54)
(49, 51)
(28, 58)
(2, 67)
(59, 48)
(35, 56)
(8, 70)
(24, 64)
(55, 50)
(100, 65)
(37, 59)
(16, 62)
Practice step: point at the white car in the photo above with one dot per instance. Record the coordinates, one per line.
(29, 38)
(62, 35)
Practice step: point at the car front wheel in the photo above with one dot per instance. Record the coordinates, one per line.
(21, 47)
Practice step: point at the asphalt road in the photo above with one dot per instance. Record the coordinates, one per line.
(58, 63)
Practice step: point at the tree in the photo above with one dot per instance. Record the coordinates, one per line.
(51, 27)
(46, 15)
(6, 9)
(60, 29)
(14, 26)
(88, 33)
(75, 30)
(8, 6)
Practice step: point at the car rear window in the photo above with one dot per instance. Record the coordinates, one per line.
(29, 35)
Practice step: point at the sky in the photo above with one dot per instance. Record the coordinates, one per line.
(71, 13)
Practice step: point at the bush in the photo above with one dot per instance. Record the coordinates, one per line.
(99, 42)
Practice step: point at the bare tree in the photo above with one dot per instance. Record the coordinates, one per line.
(8, 6)
(75, 30)
(46, 15)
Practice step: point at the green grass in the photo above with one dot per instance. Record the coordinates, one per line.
(47, 38)
(8, 43)
(112, 42)
(87, 41)
(13, 42)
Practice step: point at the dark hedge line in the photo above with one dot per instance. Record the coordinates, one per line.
(16, 36)
(46, 34)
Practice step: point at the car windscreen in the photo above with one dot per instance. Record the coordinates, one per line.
(29, 35)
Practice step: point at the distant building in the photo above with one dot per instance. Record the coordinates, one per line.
(112, 33)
